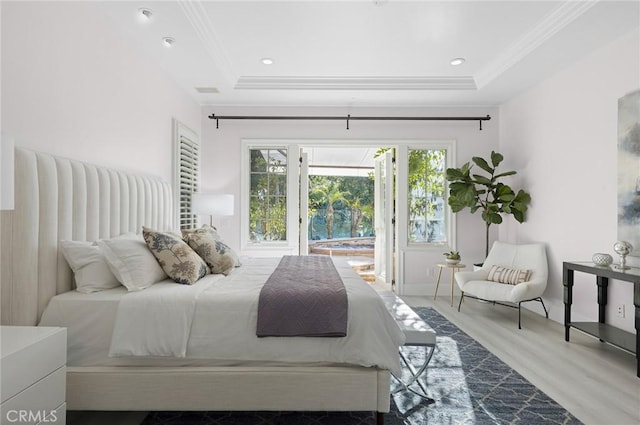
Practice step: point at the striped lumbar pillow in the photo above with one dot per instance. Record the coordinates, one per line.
(506, 275)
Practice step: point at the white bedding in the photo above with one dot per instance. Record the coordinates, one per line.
(221, 329)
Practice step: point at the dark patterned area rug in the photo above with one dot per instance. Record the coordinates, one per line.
(468, 383)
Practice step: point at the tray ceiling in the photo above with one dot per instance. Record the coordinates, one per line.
(367, 53)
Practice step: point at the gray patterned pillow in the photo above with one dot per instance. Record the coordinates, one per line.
(218, 256)
(204, 229)
(176, 258)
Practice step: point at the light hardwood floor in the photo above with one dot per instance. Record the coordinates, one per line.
(594, 381)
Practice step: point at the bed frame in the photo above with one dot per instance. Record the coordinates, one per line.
(60, 199)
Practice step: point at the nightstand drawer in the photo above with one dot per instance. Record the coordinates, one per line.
(30, 353)
(38, 401)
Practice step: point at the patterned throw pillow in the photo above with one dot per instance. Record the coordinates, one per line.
(218, 256)
(509, 276)
(204, 229)
(176, 258)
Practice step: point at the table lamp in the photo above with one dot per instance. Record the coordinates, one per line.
(212, 204)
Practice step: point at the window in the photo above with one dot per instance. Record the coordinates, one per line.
(427, 196)
(268, 194)
(186, 173)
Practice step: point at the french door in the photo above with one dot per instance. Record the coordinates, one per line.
(384, 217)
(303, 218)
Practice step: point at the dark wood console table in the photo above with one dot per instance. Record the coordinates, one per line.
(600, 330)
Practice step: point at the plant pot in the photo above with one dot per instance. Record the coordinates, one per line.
(452, 260)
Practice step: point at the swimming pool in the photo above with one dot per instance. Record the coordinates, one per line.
(344, 246)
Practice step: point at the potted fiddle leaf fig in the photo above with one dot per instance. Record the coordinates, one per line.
(486, 193)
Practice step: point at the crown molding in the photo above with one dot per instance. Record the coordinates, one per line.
(199, 19)
(355, 83)
(559, 18)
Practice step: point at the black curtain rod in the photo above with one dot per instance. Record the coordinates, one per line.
(347, 118)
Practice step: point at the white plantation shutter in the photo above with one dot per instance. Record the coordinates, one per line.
(187, 173)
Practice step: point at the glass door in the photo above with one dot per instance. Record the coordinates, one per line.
(384, 211)
(304, 203)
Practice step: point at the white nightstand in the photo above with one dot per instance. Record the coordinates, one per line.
(33, 375)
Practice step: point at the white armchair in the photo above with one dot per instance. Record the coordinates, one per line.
(533, 257)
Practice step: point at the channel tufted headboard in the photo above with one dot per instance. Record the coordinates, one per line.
(60, 199)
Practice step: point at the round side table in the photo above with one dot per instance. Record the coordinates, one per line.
(454, 268)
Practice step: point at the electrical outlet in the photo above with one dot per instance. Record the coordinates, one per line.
(620, 311)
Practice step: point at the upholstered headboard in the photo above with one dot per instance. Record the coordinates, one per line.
(60, 199)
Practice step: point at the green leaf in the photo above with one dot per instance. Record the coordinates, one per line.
(466, 167)
(454, 174)
(468, 195)
(480, 162)
(492, 207)
(503, 189)
(459, 186)
(518, 215)
(456, 205)
(521, 208)
(505, 174)
(482, 180)
(496, 158)
(523, 197)
(491, 217)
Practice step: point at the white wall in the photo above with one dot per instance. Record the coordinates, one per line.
(71, 86)
(562, 136)
(221, 160)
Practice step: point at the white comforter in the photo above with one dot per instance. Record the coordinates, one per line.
(216, 319)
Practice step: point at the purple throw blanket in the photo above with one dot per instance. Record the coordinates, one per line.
(304, 296)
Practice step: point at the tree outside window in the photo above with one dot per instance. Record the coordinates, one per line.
(340, 207)
(427, 196)
(268, 195)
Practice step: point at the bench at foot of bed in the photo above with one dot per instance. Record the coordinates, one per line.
(417, 333)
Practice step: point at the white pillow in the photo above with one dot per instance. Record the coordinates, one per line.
(89, 266)
(509, 276)
(131, 262)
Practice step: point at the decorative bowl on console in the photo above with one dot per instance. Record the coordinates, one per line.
(600, 259)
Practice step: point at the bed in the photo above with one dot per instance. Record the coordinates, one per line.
(59, 199)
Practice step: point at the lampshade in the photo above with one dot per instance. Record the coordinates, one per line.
(212, 204)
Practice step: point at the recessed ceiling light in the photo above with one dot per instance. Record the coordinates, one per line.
(145, 13)
(267, 61)
(457, 61)
(168, 41)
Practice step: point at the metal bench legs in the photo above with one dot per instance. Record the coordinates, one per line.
(415, 375)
